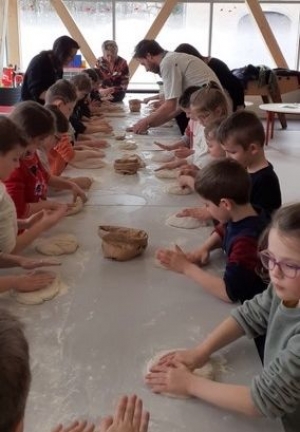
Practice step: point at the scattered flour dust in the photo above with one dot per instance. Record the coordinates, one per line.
(213, 368)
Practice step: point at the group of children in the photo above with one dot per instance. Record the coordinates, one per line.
(241, 193)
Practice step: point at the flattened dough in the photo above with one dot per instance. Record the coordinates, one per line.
(206, 371)
(128, 145)
(60, 244)
(167, 174)
(176, 189)
(162, 156)
(78, 206)
(38, 297)
(186, 222)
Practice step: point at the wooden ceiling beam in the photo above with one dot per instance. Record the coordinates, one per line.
(13, 34)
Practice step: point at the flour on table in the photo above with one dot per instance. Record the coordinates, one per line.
(38, 297)
(176, 189)
(77, 207)
(162, 156)
(60, 244)
(167, 174)
(207, 371)
(186, 222)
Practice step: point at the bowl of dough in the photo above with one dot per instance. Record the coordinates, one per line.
(128, 164)
(121, 243)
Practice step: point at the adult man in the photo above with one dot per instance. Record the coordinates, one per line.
(178, 71)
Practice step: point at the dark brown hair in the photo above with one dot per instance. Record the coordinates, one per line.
(147, 46)
(224, 178)
(11, 136)
(63, 90)
(210, 97)
(33, 119)
(62, 48)
(185, 98)
(15, 373)
(82, 82)
(243, 128)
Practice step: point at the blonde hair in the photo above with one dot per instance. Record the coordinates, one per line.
(209, 98)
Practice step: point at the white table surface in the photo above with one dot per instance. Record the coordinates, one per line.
(286, 108)
(91, 344)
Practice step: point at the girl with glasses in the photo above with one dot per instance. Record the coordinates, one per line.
(275, 392)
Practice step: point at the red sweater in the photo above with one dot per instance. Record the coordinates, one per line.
(28, 184)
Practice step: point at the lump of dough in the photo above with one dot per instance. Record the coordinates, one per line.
(128, 145)
(58, 245)
(162, 156)
(206, 371)
(40, 296)
(186, 222)
(167, 174)
(176, 189)
(77, 207)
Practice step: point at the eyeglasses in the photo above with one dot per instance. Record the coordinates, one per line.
(288, 269)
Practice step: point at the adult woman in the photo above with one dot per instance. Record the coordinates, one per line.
(229, 82)
(46, 68)
(113, 70)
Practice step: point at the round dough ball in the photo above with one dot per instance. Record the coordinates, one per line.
(167, 174)
(176, 189)
(60, 244)
(206, 371)
(128, 145)
(162, 156)
(186, 222)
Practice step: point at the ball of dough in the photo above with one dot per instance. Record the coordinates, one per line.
(128, 145)
(186, 222)
(167, 174)
(40, 296)
(162, 156)
(77, 207)
(58, 245)
(176, 189)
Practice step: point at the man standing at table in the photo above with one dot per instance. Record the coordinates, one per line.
(178, 72)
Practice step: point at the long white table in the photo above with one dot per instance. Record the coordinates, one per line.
(91, 344)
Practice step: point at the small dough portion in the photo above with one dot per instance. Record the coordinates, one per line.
(162, 156)
(176, 189)
(78, 206)
(167, 174)
(128, 145)
(38, 297)
(186, 222)
(60, 244)
(207, 371)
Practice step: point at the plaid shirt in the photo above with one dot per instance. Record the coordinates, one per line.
(117, 77)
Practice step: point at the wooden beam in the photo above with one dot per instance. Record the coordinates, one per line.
(155, 28)
(266, 32)
(74, 31)
(3, 27)
(13, 34)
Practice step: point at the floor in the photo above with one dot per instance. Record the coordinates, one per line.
(283, 152)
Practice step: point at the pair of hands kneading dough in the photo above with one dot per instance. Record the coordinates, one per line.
(39, 296)
(185, 222)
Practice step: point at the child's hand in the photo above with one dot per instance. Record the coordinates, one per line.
(189, 358)
(183, 153)
(175, 380)
(173, 260)
(33, 281)
(50, 218)
(99, 143)
(129, 417)
(78, 192)
(76, 426)
(200, 213)
(30, 264)
(200, 257)
(162, 146)
(186, 181)
(30, 221)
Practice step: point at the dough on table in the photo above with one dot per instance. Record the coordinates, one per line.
(60, 244)
(186, 222)
(167, 173)
(38, 297)
(91, 163)
(176, 189)
(77, 207)
(128, 145)
(162, 156)
(207, 371)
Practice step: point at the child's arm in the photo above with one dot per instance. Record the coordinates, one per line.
(200, 213)
(9, 260)
(185, 180)
(61, 183)
(171, 165)
(26, 282)
(176, 145)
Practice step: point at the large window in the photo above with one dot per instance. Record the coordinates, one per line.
(221, 29)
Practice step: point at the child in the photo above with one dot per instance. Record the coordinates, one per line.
(97, 95)
(81, 117)
(28, 184)
(15, 380)
(242, 136)
(276, 313)
(225, 187)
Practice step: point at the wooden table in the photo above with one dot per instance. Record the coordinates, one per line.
(277, 108)
(91, 344)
